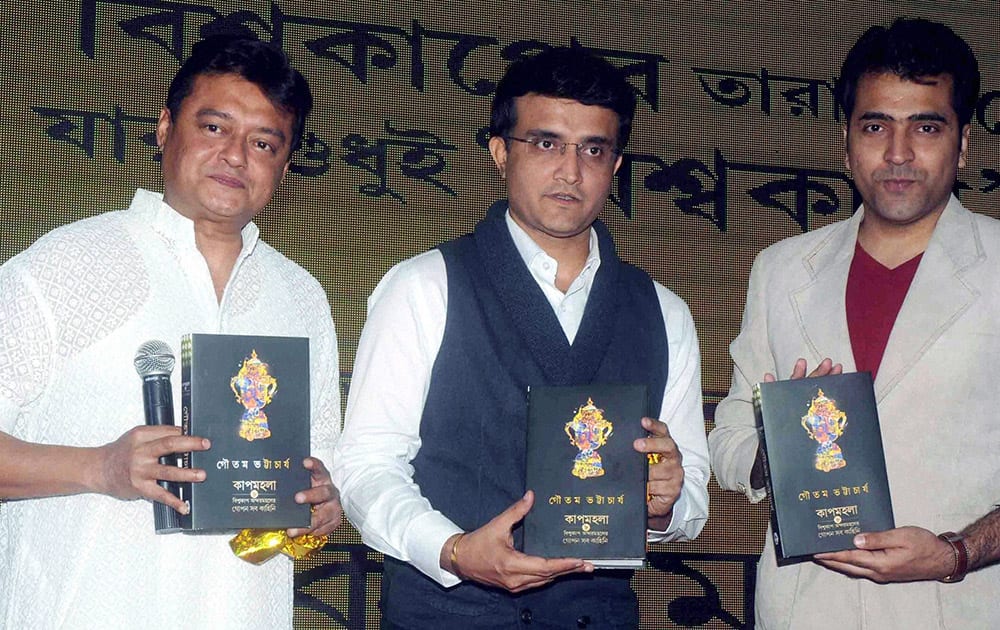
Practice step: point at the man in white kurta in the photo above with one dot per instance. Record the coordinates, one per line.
(77, 550)
(74, 308)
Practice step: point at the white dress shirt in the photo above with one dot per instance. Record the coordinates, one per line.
(74, 307)
(392, 371)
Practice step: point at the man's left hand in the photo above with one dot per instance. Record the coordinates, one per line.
(324, 498)
(666, 475)
(904, 554)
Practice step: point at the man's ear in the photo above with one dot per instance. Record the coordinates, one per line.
(498, 149)
(847, 154)
(963, 146)
(163, 127)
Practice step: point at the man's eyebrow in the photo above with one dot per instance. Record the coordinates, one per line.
(277, 133)
(930, 116)
(542, 133)
(208, 111)
(875, 116)
(545, 133)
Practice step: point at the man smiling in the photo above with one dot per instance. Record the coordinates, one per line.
(906, 289)
(76, 549)
(431, 464)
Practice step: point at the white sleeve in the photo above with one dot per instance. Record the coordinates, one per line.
(325, 366)
(682, 412)
(26, 343)
(734, 439)
(392, 369)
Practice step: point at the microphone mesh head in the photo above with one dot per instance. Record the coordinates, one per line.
(154, 357)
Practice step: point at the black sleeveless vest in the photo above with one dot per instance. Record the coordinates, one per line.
(500, 337)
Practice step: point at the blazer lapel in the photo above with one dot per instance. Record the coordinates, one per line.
(819, 304)
(937, 297)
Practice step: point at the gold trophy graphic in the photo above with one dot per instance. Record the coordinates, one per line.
(825, 423)
(589, 430)
(254, 386)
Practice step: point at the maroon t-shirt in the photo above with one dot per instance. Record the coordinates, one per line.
(874, 296)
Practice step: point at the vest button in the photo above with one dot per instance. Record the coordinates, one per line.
(526, 615)
(583, 622)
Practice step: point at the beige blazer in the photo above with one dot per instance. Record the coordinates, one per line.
(939, 407)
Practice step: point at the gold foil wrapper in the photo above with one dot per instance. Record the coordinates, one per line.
(257, 546)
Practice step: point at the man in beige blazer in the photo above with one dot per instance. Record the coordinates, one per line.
(823, 300)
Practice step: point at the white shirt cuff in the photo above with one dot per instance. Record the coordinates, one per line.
(678, 517)
(425, 537)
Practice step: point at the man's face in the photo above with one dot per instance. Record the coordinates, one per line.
(224, 152)
(904, 147)
(555, 197)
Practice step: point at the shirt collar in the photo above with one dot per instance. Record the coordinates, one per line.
(530, 250)
(153, 211)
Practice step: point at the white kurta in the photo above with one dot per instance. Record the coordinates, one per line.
(74, 307)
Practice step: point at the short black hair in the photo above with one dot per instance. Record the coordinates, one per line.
(913, 49)
(261, 63)
(569, 73)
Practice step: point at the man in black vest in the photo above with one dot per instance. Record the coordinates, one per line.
(431, 462)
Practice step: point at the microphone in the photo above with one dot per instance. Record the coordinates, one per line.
(154, 361)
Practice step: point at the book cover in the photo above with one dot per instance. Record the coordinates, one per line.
(823, 461)
(589, 483)
(249, 395)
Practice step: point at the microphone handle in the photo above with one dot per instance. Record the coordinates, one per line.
(158, 401)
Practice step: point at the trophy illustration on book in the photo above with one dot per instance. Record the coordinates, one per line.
(825, 423)
(589, 430)
(254, 386)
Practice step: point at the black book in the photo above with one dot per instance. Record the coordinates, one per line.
(824, 463)
(589, 483)
(249, 395)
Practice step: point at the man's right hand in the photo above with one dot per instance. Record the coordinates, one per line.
(826, 367)
(487, 555)
(130, 466)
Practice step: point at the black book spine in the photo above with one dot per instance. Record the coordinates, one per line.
(762, 453)
(185, 487)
